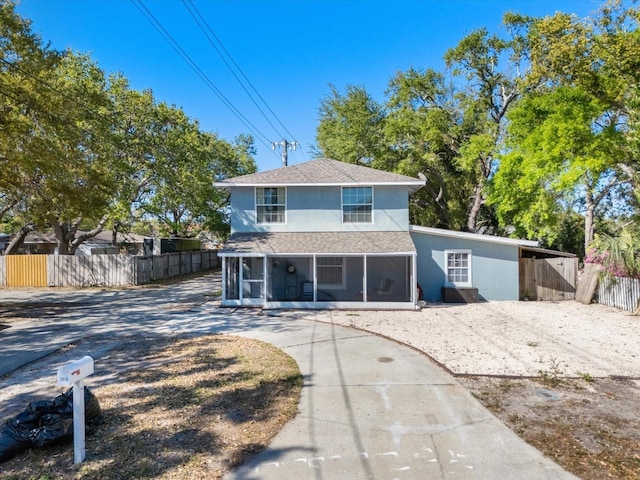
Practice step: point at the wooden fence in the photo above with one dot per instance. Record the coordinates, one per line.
(100, 270)
(548, 279)
(619, 292)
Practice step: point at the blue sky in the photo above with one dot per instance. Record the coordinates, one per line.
(290, 50)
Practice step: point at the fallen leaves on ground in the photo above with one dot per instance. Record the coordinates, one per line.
(589, 426)
(193, 409)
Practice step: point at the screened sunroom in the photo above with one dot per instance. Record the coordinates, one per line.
(319, 270)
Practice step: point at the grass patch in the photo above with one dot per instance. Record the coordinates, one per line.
(195, 409)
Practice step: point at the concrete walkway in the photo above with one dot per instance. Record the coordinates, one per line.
(370, 408)
(375, 409)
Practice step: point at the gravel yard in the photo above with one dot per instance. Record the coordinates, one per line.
(513, 338)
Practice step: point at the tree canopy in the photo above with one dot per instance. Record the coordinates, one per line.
(524, 132)
(82, 150)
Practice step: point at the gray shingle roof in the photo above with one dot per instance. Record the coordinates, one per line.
(319, 242)
(323, 171)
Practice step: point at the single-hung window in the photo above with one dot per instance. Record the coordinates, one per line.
(458, 265)
(270, 204)
(331, 272)
(357, 204)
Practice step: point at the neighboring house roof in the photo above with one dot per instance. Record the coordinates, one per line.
(473, 236)
(105, 236)
(308, 243)
(37, 237)
(322, 172)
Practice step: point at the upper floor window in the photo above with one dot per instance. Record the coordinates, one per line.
(458, 265)
(357, 204)
(270, 204)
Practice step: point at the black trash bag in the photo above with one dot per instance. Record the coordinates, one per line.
(44, 423)
(14, 439)
(56, 422)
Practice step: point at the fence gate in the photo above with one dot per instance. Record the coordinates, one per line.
(548, 279)
(26, 270)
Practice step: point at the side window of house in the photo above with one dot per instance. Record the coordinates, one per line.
(357, 204)
(458, 265)
(330, 272)
(270, 204)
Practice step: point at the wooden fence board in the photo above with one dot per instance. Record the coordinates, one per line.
(3, 271)
(556, 278)
(588, 283)
(548, 279)
(99, 270)
(174, 265)
(527, 279)
(144, 270)
(26, 270)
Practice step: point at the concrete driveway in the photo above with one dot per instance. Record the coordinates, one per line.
(369, 408)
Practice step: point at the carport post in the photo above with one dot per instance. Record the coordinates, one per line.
(74, 374)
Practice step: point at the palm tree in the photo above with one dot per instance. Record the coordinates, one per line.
(620, 254)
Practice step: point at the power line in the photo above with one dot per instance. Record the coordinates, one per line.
(192, 64)
(239, 70)
(237, 67)
(224, 59)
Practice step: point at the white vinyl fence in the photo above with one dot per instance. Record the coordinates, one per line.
(619, 292)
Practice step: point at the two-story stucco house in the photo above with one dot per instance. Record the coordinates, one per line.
(328, 234)
(320, 234)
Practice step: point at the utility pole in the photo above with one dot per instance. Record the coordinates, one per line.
(285, 146)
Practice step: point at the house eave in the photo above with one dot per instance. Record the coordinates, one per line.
(310, 254)
(413, 186)
(473, 236)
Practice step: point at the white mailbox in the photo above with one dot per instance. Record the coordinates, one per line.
(74, 374)
(74, 371)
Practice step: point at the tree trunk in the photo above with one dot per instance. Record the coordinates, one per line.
(6, 208)
(17, 241)
(64, 233)
(588, 225)
(472, 218)
(75, 242)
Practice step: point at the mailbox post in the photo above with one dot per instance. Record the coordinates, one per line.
(74, 374)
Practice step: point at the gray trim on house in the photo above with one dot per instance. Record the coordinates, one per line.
(325, 172)
(299, 243)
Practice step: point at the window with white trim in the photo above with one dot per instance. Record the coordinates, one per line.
(331, 272)
(357, 204)
(270, 204)
(458, 267)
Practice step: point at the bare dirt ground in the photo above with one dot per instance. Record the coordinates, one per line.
(173, 408)
(564, 376)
